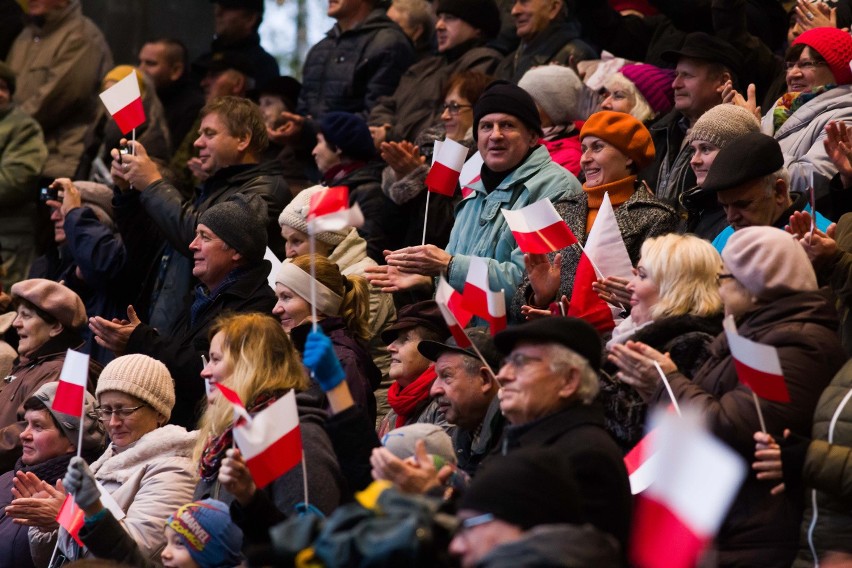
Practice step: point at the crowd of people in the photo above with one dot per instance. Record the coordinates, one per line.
(710, 141)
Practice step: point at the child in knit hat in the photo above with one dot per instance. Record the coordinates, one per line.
(201, 534)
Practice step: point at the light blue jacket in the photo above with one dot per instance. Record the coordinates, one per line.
(481, 230)
(721, 239)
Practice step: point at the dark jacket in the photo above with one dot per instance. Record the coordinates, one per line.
(837, 273)
(264, 66)
(472, 447)
(349, 70)
(181, 102)
(595, 460)
(557, 43)
(762, 529)
(416, 102)
(365, 189)
(182, 351)
(353, 435)
(640, 217)
(556, 546)
(670, 174)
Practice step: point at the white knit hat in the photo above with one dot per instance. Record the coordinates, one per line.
(143, 377)
(556, 89)
(296, 213)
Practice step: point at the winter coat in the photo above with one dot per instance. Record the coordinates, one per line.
(353, 436)
(481, 230)
(837, 273)
(565, 151)
(350, 70)
(556, 546)
(365, 189)
(640, 217)
(182, 351)
(264, 65)
(472, 447)
(595, 460)
(427, 411)
(149, 480)
(416, 102)
(59, 65)
(761, 529)
(278, 500)
(670, 174)
(827, 523)
(802, 134)
(557, 43)
(22, 157)
(181, 102)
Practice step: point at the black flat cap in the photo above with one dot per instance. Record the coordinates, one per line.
(479, 336)
(573, 333)
(425, 314)
(700, 45)
(744, 159)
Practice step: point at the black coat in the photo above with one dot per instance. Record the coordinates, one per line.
(365, 189)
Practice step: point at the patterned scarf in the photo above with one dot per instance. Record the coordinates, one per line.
(215, 449)
(791, 102)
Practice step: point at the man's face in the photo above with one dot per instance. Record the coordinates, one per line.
(233, 23)
(342, 9)
(5, 94)
(217, 147)
(212, 258)
(451, 31)
(696, 87)
(529, 388)
(153, 61)
(325, 157)
(503, 141)
(532, 16)
(461, 395)
(751, 205)
(271, 107)
(58, 220)
(42, 7)
(406, 362)
(471, 544)
(229, 82)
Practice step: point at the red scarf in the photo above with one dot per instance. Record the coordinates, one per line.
(405, 400)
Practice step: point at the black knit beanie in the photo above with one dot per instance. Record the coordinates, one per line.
(481, 14)
(241, 223)
(350, 133)
(507, 98)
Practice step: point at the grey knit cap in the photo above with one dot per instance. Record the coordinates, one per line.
(296, 213)
(241, 223)
(556, 89)
(723, 123)
(143, 377)
(93, 430)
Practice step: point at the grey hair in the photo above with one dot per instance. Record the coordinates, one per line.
(562, 359)
(769, 180)
(471, 365)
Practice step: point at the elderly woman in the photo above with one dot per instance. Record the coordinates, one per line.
(615, 147)
(641, 90)
(147, 469)
(770, 290)
(49, 321)
(252, 355)
(675, 308)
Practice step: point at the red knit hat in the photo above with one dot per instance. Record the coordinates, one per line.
(624, 132)
(654, 83)
(641, 6)
(833, 45)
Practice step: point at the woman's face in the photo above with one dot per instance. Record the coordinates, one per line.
(702, 159)
(806, 73)
(218, 367)
(602, 162)
(126, 430)
(617, 99)
(271, 107)
(457, 115)
(297, 243)
(175, 554)
(644, 294)
(33, 332)
(41, 439)
(735, 297)
(291, 309)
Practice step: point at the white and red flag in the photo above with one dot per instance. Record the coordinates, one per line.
(232, 397)
(480, 300)
(72, 384)
(641, 464)
(538, 228)
(124, 102)
(758, 366)
(329, 210)
(470, 174)
(697, 479)
(71, 517)
(604, 255)
(446, 169)
(272, 442)
(455, 314)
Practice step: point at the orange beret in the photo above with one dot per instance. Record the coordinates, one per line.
(624, 132)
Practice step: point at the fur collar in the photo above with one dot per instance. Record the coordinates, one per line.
(165, 442)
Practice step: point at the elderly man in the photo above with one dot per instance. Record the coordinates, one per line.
(230, 141)
(228, 249)
(548, 385)
(517, 172)
(466, 392)
(753, 186)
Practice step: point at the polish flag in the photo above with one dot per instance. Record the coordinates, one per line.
(758, 365)
(604, 255)
(697, 479)
(234, 399)
(641, 463)
(452, 308)
(480, 300)
(538, 228)
(470, 174)
(272, 442)
(70, 518)
(124, 102)
(445, 171)
(329, 210)
(73, 379)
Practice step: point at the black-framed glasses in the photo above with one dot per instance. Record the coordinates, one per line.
(105, 414)
(453, 108)
(804, 65)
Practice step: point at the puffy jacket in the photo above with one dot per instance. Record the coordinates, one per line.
(761, 529)
(349, 70)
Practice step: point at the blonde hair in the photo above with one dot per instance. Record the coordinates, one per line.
(641, 110)
(355, 308)
(685, 269)
(262, 359)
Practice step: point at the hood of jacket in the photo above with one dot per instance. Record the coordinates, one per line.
(351, 250)
(55, 18)
(166, 441)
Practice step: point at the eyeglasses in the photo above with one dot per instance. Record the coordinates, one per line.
(519, 360)
(804, 65)
(105, 414)
(472, 522)
(453, 108)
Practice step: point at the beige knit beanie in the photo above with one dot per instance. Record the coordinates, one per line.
(723, 123)
(141, 376)
(295, 215)
(768, 262)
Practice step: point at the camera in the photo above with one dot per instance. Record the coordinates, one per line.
(48, 194)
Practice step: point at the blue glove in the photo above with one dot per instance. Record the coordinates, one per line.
(320, 358)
